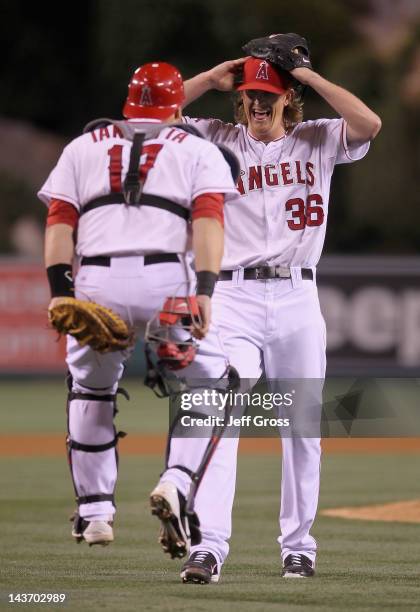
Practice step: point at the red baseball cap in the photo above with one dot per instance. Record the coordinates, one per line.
(259, 74)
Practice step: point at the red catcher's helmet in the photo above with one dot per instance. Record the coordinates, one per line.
(155, 91)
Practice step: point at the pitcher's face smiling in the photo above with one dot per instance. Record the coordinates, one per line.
(264, 112)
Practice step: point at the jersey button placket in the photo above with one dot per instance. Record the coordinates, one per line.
(272, 156)
(267, 158)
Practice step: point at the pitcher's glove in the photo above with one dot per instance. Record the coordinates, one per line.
(287, 51)
(90, 323)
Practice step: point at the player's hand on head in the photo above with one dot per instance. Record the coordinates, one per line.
(222, 76)
(204, 305)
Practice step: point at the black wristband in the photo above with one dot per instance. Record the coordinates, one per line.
(206, 282)
(60, 277)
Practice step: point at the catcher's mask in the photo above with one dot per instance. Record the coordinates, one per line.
(169, 332)
(155, 91)
(169, 345)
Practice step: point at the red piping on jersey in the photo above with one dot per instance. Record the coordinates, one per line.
(209, 205)
(62, 212)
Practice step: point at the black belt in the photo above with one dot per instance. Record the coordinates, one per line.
(103, 260)
(266, 273)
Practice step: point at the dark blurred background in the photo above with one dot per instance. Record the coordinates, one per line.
(63, 65)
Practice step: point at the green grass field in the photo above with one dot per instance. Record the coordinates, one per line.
(361, 565)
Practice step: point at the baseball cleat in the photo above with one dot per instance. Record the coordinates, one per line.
(201, 568)
(297, 566)
(177, 530)
(92, 532)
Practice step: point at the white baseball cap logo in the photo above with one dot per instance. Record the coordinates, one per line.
(146, 96)
(262, 72)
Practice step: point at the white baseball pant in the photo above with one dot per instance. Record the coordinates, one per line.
(275, 327)
(136, 292)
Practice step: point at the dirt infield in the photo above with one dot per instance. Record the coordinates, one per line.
(401, 512)
(53, 445)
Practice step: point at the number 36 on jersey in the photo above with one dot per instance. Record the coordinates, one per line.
(305, 213)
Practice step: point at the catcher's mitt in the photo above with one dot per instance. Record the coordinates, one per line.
(90, 323)
(287, 51)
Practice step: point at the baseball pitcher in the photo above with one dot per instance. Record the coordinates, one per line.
(266, 303)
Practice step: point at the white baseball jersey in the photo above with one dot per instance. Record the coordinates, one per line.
(280, 214)
(176, 165)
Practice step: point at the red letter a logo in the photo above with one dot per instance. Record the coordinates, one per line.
(262, 72)
(146, 97)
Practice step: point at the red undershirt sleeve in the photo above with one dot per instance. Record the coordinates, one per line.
(209, 205)
(60, 211)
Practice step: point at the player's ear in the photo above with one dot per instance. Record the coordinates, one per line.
(288, 97)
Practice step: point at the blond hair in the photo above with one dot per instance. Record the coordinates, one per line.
(292, 113)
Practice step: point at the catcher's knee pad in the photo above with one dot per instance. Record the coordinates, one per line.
(92, 451)
(93, 372)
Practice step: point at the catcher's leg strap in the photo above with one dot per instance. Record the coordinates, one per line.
(92, 450)
(111, 397)
(182, 468)
(95, 448)
(91, 499)
(181, 434)
(193, 455)
(189, 455)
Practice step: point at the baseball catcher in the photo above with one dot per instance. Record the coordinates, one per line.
(126, 201)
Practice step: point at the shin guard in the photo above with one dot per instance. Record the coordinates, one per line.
(92, 452)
